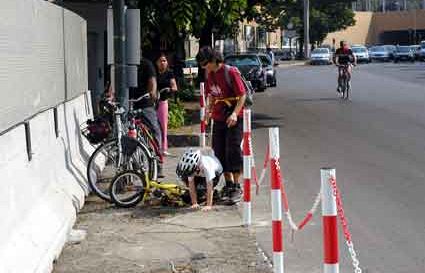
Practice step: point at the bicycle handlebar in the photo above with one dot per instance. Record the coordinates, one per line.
(148, 95)
(144, 96)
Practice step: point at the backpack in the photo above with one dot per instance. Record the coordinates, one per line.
(247, 84)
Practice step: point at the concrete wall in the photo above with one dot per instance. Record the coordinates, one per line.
(43, 66)
(403, 20)
(369, 26)
(41, 196)
(95, 16)
(361, 33)
(43, 53)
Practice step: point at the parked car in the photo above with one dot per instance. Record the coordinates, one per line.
(270, 71)
(392, 49)
(416, 51)
(321, 56)
(284, 55)
(380, 53)
(404, 53)
(361, 53)
(422, 51)
(251, 67)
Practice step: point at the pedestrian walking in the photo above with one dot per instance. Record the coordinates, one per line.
(225, 105)
(165, 78)
(271, 54)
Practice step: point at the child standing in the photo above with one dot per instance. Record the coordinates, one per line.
(194, 163)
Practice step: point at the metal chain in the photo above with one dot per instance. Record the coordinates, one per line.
(347, 235)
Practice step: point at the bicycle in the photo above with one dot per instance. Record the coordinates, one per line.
(141, 150)
(131, 187)
(344, 81)
(112, 156)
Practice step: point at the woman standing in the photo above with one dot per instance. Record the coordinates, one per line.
(165, 78)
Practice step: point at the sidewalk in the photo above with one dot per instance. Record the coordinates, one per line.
(160, 240)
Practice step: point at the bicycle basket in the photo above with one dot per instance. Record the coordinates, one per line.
(96, 130)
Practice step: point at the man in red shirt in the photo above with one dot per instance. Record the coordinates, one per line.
(225, 107)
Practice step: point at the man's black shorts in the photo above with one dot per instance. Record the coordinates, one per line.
(226, 144)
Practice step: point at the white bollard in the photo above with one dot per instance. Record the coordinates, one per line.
(276, 198)
(330, 221)
(247, 167)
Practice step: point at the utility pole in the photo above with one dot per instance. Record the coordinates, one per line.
(306, 28)
(120, 85)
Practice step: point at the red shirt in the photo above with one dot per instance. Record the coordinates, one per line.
(217, 87)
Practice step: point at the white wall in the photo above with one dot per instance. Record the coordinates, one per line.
(41, 197)
(43, 65)
(43, 58)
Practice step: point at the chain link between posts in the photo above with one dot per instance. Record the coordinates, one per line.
(344, 223)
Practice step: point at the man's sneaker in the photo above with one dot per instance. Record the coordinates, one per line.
(236, 194)
(227, 189)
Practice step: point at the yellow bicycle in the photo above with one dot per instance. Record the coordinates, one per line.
(131, 187)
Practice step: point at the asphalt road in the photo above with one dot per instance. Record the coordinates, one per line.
(375, 142)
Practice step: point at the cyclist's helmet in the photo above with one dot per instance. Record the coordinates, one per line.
(188, 163)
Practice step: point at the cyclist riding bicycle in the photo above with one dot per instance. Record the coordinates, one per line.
(194, 164)
(344, 56)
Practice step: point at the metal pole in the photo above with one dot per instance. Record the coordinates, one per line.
(383, 5)
(306, 28)
(121, 90)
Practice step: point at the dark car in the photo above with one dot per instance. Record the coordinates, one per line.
(270, 71)
(404, 53)
(285, 55)
(251, 67)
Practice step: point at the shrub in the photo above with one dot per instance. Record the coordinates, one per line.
(176, 115)
(187, 91)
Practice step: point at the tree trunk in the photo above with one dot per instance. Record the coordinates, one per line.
(204, 40)
(206, 35)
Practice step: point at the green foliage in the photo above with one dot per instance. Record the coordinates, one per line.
(176, 115)
(219, 16)
(325, 16)
(186, 92)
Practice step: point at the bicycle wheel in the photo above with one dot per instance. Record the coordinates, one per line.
(128, 189)
(103, 165)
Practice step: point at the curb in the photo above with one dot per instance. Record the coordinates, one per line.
(183, 140)
(293, 64)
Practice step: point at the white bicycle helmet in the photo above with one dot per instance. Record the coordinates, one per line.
(188, 163)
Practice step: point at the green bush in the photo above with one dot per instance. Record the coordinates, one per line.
(176, 115)
(186, 91)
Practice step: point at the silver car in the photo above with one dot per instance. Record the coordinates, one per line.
(361, 53)
(321, 56)
(380, 53)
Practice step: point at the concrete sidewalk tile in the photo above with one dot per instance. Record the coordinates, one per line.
(161, 239)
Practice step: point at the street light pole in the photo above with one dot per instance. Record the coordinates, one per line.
(119, 53)
(306, 28)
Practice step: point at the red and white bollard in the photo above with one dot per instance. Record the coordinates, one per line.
(330, 228)
(202, 141)
(276, 197)
(247, 166)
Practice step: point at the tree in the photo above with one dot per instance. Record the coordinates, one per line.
(220, 17)
(325, 16)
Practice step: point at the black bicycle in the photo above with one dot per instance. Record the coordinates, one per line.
(344, 81)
